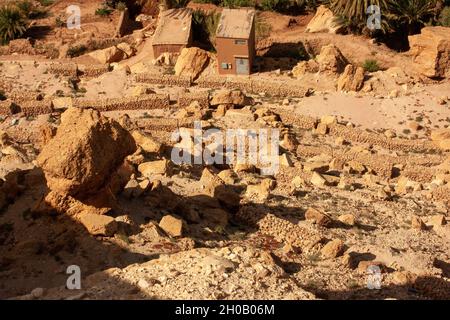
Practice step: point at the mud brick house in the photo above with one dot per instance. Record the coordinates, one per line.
(174, 31)
(235, 41)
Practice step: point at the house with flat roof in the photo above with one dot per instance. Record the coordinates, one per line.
(235, 41)
(174, 31)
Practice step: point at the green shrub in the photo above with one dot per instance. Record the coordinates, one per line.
(25, 7)
(262, 28)
(238, 3)
(179, 3)
(371, 65)
(207, 1)
(205, 26)
(121, 6)
(103, 11)
(46, 3)
(59, 22)
(76, 51)
(444, 18)
(12, 24)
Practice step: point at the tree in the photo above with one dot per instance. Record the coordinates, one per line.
(12, 24)
(411, 15)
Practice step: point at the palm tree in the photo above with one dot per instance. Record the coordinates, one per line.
(12, 24)
(353, 13)
(355, 9)
(411, 15)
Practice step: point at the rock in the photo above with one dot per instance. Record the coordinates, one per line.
(417, 223)
(324, 21)
(37, 293)
(351, 80)
(228, 176)
(229, 97)
(216, 188)
(321, 129)
(146, 142)
(318, 217)
(364, 265)
(354, 167)
(172, 226)
(215, 217)
(162, 167)
(332, 249)
(414, 126)
(347, 219)
(298, 182)
(62, 103)
(317, 166)
(97, 224)
(244, 167)
(437, 220)
(328, 120)
(331, 60)
(440, 134)
(304, 67)
(108, 55)
(430, 51)
(191, 62)
(166, 58)
(141, 90)
(390, 134)
(86, 150)
(318, 180)
(285, 160)
(128, 50)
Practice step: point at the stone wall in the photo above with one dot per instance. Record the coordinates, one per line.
(64, 69)
(144, 102)
(164, 79)
(186, 99)
(94, 70)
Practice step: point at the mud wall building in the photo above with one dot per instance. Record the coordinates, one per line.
(235, 41)
(174, 31)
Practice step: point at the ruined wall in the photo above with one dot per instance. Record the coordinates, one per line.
(165, 79)
(144, 102)
(64, 69)
(94, 70)
(186, 99)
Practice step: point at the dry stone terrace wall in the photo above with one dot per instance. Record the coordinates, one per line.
(145, 102)
(26, 108)
(64, 69)
(164, 79)
(186, 99)
(251, 85)
(93, 71)
(360, 136)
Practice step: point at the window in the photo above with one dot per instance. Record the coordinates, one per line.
(225, 65)
(239, 41)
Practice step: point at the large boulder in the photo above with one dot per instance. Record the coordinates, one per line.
(304, 67)
(441, 138)
(108, 55)
(352, 79)
(430, 51)
(191, 62)
(324, 21)
(229, 97)
(331, 60)
(86, 150)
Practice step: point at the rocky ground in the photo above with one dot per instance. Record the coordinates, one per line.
(363, 181)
